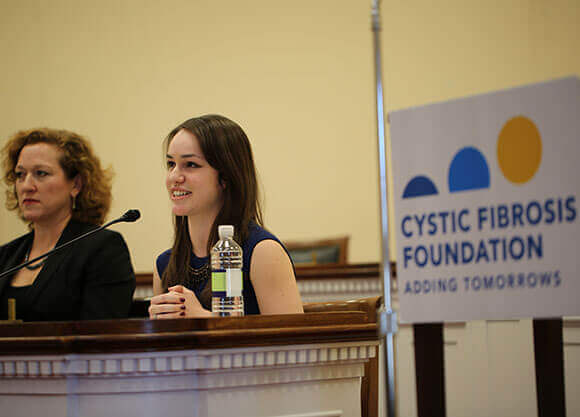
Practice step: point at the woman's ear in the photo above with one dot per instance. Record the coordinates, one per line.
(77, 185)
(222, 182)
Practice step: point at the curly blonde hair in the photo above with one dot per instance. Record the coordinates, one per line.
(77, 158)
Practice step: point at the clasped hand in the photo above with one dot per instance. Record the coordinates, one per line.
(178, 302)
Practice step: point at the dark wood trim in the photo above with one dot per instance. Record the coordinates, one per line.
(549, 360)
(144, 279)
(109, 327)
(369, 306)
(571, 323)
(349, 271)
(370, 388)
(153, 335)
(429, 369)
(201, 339)
(303, 272)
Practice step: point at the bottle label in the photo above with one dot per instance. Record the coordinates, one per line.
(227, 283)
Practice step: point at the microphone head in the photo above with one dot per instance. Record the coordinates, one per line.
(131, 215)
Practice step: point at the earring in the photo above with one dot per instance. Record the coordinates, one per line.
(74, 202)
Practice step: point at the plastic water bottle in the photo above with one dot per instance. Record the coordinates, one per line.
(226, 275)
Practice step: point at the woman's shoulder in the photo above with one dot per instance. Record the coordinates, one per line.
(256, 235)
(11, 246)
(162, 261)
(164, 255)
(102, 237)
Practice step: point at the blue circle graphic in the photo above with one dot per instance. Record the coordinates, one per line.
(419, 186)
(468, 171)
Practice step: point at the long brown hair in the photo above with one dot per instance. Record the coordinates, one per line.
(227, 149)
(77, 158)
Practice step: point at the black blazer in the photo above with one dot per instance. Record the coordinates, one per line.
(91, 279)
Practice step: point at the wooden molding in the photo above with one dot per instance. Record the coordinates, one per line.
(175, 362)
(133, 335)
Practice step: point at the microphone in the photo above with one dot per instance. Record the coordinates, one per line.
(130, 216)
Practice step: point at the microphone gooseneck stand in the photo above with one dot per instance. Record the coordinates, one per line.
(129, 216)
(387, 317)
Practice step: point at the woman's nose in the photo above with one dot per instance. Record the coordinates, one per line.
(28, 182)
(176, 176)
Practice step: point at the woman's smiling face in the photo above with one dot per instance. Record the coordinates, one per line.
(193, 184)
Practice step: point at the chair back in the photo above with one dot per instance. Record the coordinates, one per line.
(317, 252)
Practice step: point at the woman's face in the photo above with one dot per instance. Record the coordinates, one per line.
(43, 190)
(193, 185)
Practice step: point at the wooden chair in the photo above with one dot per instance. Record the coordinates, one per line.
(316, 252)
(370, 382)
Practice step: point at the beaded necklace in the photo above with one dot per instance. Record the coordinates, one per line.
(35, 266)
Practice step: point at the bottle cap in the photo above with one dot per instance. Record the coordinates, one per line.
(226, 231)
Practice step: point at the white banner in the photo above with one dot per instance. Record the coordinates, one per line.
(486, 205)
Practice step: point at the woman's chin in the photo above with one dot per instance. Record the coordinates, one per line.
(180, 211)
(29, 215)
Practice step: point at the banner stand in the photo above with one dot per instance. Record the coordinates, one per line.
(429, 369)
(549, 360)
(478, 180)
(549, 368)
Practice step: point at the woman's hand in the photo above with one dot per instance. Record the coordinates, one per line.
(179, 302)
(167, 306)
(193, 307)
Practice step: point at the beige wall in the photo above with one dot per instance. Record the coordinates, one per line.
(298, 76)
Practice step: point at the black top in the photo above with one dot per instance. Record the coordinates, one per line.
(20, 295)
(89, 280)
(203, 292)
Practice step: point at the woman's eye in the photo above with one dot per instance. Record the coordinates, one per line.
(19, 175)
(41, 173)
(192, 164)
(170, 164)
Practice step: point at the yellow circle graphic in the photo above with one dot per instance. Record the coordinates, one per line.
(519, 149)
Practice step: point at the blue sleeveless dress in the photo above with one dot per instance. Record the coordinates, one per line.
(256, 235)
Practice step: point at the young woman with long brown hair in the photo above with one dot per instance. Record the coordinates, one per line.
(211, 180)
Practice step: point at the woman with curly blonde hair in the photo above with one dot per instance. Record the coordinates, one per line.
(57, 185)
